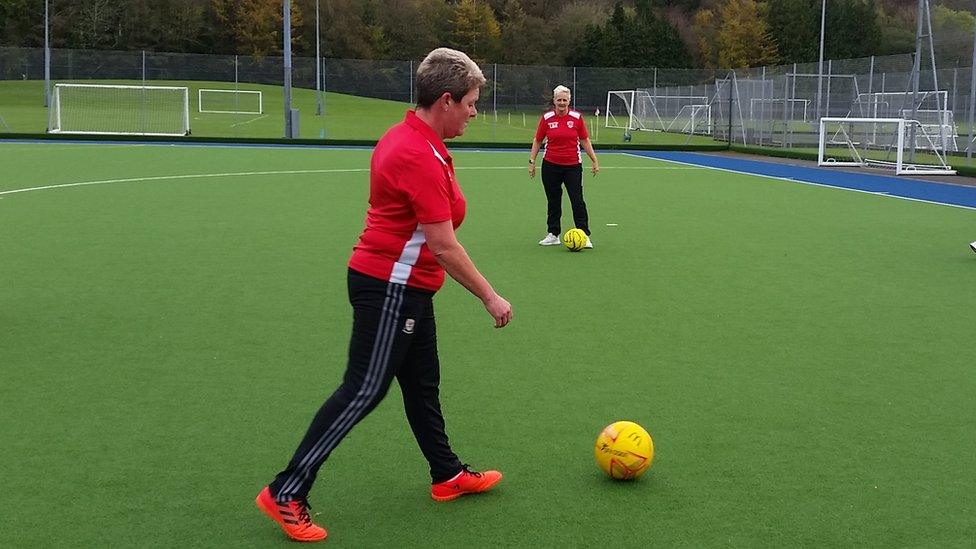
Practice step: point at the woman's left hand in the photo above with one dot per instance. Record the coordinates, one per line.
(595, 168)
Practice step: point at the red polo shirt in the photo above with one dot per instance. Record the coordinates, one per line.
(562, 134)
(411, 181)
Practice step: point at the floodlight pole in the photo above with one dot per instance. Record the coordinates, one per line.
(286, 33)
(574, 87)
(47, 57)
(318, 65)
(823, 24)
(494, 90)
(972, 100)
(729, 78)
(940, 106)
(916, 73)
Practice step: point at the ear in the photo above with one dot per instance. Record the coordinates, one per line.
(446, 98)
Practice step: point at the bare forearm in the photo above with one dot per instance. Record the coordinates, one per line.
(535, 149)
(588, 147)
(458, 264)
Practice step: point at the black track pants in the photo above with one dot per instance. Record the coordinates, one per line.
(554, 176)
(393, 335)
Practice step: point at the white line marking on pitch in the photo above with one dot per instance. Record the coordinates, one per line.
(248, 121)
(279, 172)
(188, 176)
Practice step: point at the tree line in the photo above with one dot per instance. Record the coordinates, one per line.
(604, 33)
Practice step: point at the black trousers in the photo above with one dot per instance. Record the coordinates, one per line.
(393, 336)
(554, 176)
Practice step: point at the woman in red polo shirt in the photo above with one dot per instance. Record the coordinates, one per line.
(415, 205)
(563, 130)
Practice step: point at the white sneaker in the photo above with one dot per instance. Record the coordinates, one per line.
(550, 240)
(589, 243)
(973, 245)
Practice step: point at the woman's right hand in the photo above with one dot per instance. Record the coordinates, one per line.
(500, 309)
(531, 171)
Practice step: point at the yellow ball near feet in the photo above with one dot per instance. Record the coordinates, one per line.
(624, 450)
(574, 239)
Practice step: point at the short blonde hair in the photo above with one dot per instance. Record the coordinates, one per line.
(560, 89)
(446, 70)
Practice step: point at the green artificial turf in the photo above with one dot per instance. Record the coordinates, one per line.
(800, 355)
(345, 116)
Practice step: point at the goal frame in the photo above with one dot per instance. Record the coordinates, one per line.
(629, 102)
(55, 115)
(901, 166)
(880, 104)
(768, 103)
(698, 113)
(650, 118)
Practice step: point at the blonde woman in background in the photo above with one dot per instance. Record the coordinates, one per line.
(564, 132)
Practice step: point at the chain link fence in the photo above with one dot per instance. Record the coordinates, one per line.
(774, 106)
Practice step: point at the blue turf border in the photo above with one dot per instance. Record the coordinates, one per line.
(914, 189)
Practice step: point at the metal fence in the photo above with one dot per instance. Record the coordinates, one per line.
(774, 106)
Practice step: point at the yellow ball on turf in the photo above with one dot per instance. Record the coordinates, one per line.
(574, 239)
(624, 450)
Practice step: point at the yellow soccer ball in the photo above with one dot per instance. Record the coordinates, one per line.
(574, 239)
(624, 450)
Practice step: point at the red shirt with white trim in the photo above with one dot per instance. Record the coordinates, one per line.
(411, 181)
(563, 135)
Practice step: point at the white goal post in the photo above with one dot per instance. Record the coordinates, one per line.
(610, 114)
(778, 108)
(881, 142)
(939, 123)
(892, 104)
(640, 110)
(103, 109)
(216, 101)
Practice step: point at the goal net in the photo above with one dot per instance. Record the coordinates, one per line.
(620, 110)
(230, 101)
(929, 107)
(694, 118)
(939, 123)
(892, 104)
(779, 109)
(640, 110)
(881, 143)
(119, 110)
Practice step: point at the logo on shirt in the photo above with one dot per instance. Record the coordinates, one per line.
(569, 124)
(408, 326)
(553, 125)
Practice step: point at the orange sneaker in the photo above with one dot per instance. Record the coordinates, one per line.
(465, 482)
(292, 517)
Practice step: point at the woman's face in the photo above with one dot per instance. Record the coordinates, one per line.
(561, 101)
(459, 113)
